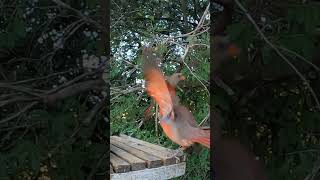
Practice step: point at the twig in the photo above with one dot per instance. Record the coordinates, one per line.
(223, 85)
(18, 113)
(94, 111)
(52, 151)
(185, 64)
(74, 27)
(16, 140)
(125, 91)
(21, 126)
(14, 60)
(93, 171)
(196, 77)
(73, 81)
(314, 171)
(279, 53)
(206, 11)
(205, 119)
(20, 89)
(73, 90)
(40, 78)
(300, 57)
(7, 96)
(17, 99)
(66, 6)
(304, 151)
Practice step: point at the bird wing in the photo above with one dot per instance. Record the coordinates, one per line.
(156, 85)
(189, 129)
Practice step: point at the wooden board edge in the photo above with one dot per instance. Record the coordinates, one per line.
(160, 173)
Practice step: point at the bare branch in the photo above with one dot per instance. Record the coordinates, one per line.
(27, 107)
(66, 6)
(279, 53)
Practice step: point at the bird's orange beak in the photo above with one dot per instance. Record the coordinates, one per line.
(233, 50)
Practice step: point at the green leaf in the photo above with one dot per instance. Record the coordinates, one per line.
(166, 15)
(191, 39)
(162, 48)
(151, 18)
(140, 14)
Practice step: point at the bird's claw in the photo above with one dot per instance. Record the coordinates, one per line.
(177, 154)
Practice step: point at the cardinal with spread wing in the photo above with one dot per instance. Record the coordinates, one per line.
(176, 120)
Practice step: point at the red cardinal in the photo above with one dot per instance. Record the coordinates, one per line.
(176, 120)
(172, 82)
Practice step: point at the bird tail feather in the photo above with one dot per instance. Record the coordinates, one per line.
(204, 139)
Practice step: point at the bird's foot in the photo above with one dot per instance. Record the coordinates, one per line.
(178, 154)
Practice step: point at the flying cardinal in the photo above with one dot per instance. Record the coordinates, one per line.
(172, 83)
(176, 120)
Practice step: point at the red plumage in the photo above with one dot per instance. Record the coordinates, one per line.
(176, 121)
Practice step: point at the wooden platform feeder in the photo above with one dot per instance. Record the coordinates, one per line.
(134, 159)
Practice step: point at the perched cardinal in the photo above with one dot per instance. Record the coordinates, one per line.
(172, 83)
(176, 120)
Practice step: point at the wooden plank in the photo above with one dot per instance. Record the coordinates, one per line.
(166, 157)
(160, 173)
(135, 162)
(119, 165)
(153, 146)
(152, 161)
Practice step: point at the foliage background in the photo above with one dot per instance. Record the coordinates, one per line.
(273, 111)
(137, 23)
(47, 47)
(52, 106)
